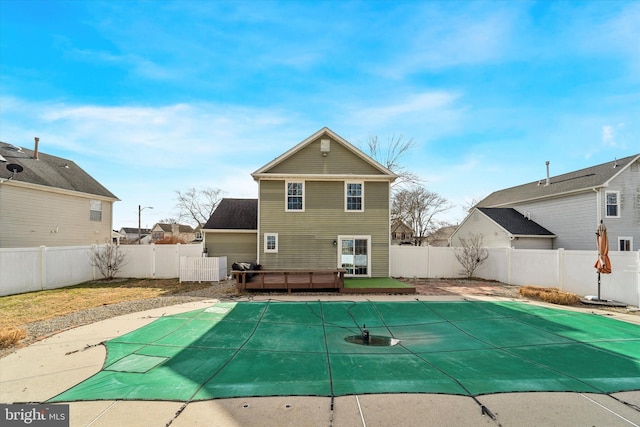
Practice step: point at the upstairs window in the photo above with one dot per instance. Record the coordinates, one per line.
(295, 196)
(354, 196)
(95, 210)
(612, 199)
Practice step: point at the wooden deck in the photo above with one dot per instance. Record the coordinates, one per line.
(289, 279)
(328, 280)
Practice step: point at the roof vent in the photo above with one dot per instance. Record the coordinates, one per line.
(615, 163)
(325, 147)
(548, 180)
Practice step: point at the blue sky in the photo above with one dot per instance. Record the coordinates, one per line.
(150, 97)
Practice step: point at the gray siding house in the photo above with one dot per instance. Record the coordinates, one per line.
(323, 204)
(568, 206)
(50, 201)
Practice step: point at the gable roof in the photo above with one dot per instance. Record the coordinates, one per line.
(182, 228)
(49, 171)
(325, 131)
(132, 230)
(234, 214)
(577, 181)
(515, 223)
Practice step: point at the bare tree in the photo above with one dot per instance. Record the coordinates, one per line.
(419, 208)
(108, 260)
(196, 206)
(168, 221)
(471, 253)
(390, 156)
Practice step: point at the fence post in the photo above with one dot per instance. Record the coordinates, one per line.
(43, 267)
(152, 249)
(638, 276)
(509, 251)
(428, 261)
(560, 275)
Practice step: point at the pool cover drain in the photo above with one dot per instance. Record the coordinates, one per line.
(375, 340)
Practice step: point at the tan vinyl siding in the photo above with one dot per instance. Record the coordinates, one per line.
(31, 217)
(236, 246)
(339, 160)
(305, 239)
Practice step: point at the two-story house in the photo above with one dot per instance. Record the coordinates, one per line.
(172, 233)
(563, 211)
(324, 204)
(50, 201)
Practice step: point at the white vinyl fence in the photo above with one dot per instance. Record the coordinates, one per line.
(203, 269)
(34, 269)
(570, 271)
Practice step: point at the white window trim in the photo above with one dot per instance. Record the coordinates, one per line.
(92, 205)
(267, 235)
(346, 196)
(286, 195)
(606, 213)
(629, 238)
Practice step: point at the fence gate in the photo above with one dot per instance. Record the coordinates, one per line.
(203, 269)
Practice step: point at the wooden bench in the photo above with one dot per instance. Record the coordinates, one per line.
(289, 279)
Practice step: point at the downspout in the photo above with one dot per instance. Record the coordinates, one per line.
(258, 225)
(598, 205)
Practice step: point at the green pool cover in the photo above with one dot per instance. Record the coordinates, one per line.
(300, 348)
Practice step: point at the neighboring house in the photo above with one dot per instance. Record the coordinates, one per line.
(169, 232)
(50, 201)
(568, 206)
(504, 228)
(130, 234)
(401, 233)
(323, 204)
(441, 236)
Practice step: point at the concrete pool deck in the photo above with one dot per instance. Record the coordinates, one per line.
(46, 368)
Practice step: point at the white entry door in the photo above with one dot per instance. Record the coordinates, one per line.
(355, 255)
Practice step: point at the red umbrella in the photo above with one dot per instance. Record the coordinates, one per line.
(603, 264)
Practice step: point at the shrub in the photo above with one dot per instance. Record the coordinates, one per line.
(108, 260)
(551, 295)
(471, 253)
(11, 336)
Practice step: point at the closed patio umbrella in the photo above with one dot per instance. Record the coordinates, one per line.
(603, 264)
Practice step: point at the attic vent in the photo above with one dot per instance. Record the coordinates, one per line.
(325, 147)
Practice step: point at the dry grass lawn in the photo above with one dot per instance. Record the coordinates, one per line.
(18, 310)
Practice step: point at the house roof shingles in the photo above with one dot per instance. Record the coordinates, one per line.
(49, 171)
(182, 228)
(234, 214)
(515, 222)
(583, 179)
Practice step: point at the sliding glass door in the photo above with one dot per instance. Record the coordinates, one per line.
(354, 255)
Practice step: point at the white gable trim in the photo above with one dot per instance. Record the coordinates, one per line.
(325, 130)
